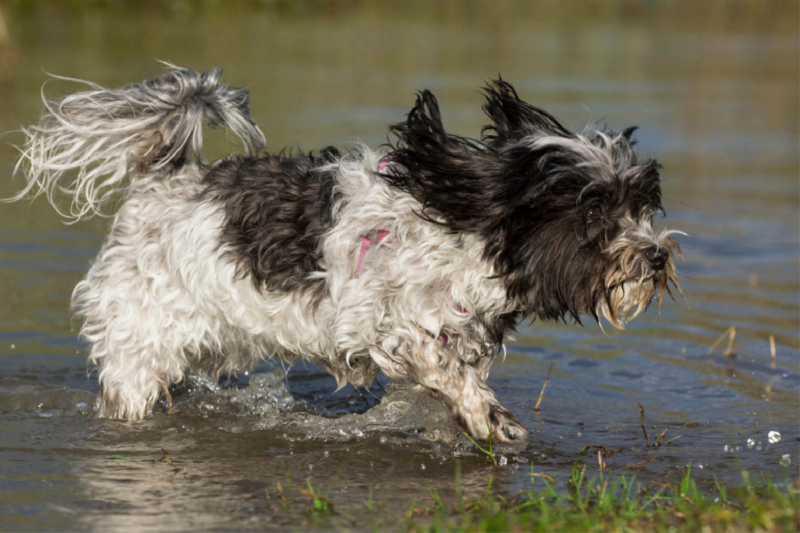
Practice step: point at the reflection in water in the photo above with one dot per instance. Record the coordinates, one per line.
(715, 97)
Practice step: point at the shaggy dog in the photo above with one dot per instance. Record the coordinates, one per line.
(415, 260)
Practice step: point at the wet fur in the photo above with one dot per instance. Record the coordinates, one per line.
(217, 265)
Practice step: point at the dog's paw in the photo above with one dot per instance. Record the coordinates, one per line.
(505, 426)
(493, 422)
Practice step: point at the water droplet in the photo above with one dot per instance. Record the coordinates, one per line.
(773, 437)
(786, 460)
(423, 466)
(750, 443)
(580, 434)
(726, 448)
(326, 453)
(503, 461)
(758, 445)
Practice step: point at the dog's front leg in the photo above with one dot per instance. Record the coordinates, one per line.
(477, 408)
(438, 368)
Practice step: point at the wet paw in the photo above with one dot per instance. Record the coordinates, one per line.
(505, 426)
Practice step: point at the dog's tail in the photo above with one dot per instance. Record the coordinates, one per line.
(86, 144)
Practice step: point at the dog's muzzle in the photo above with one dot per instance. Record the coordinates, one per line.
(657, 257)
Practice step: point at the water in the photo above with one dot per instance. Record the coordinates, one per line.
(716, 97)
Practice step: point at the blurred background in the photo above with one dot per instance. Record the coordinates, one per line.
(713, 87)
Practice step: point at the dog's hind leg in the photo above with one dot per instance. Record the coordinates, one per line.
(134, 369)
(134, 313)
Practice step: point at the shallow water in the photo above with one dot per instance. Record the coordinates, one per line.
(716, 98)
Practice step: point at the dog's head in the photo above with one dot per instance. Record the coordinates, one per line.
(567, 218)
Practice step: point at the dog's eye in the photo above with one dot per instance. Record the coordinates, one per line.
(593, 214)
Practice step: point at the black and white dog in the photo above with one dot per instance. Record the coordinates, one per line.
(415, 260)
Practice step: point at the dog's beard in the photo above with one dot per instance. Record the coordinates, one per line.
(632, 285)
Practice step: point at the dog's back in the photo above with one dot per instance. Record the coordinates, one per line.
(277, 210)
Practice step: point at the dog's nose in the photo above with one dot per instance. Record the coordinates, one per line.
(657, 257)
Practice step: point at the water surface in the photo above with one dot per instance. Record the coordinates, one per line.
(716, 99)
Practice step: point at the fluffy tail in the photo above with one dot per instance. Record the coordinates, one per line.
(87, 143)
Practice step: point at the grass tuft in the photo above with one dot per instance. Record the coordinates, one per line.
(489, 453)
(600, 503)
(592, 503)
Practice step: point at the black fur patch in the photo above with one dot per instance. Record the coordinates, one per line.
(277, 210)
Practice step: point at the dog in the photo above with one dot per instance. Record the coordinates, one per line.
(417, 259)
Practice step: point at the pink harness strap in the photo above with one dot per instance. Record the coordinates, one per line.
(365, 245)
(384, 162)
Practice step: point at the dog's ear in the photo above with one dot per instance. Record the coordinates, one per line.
(455, 179)
(424, 122)
(514, 118)
(424, 146)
